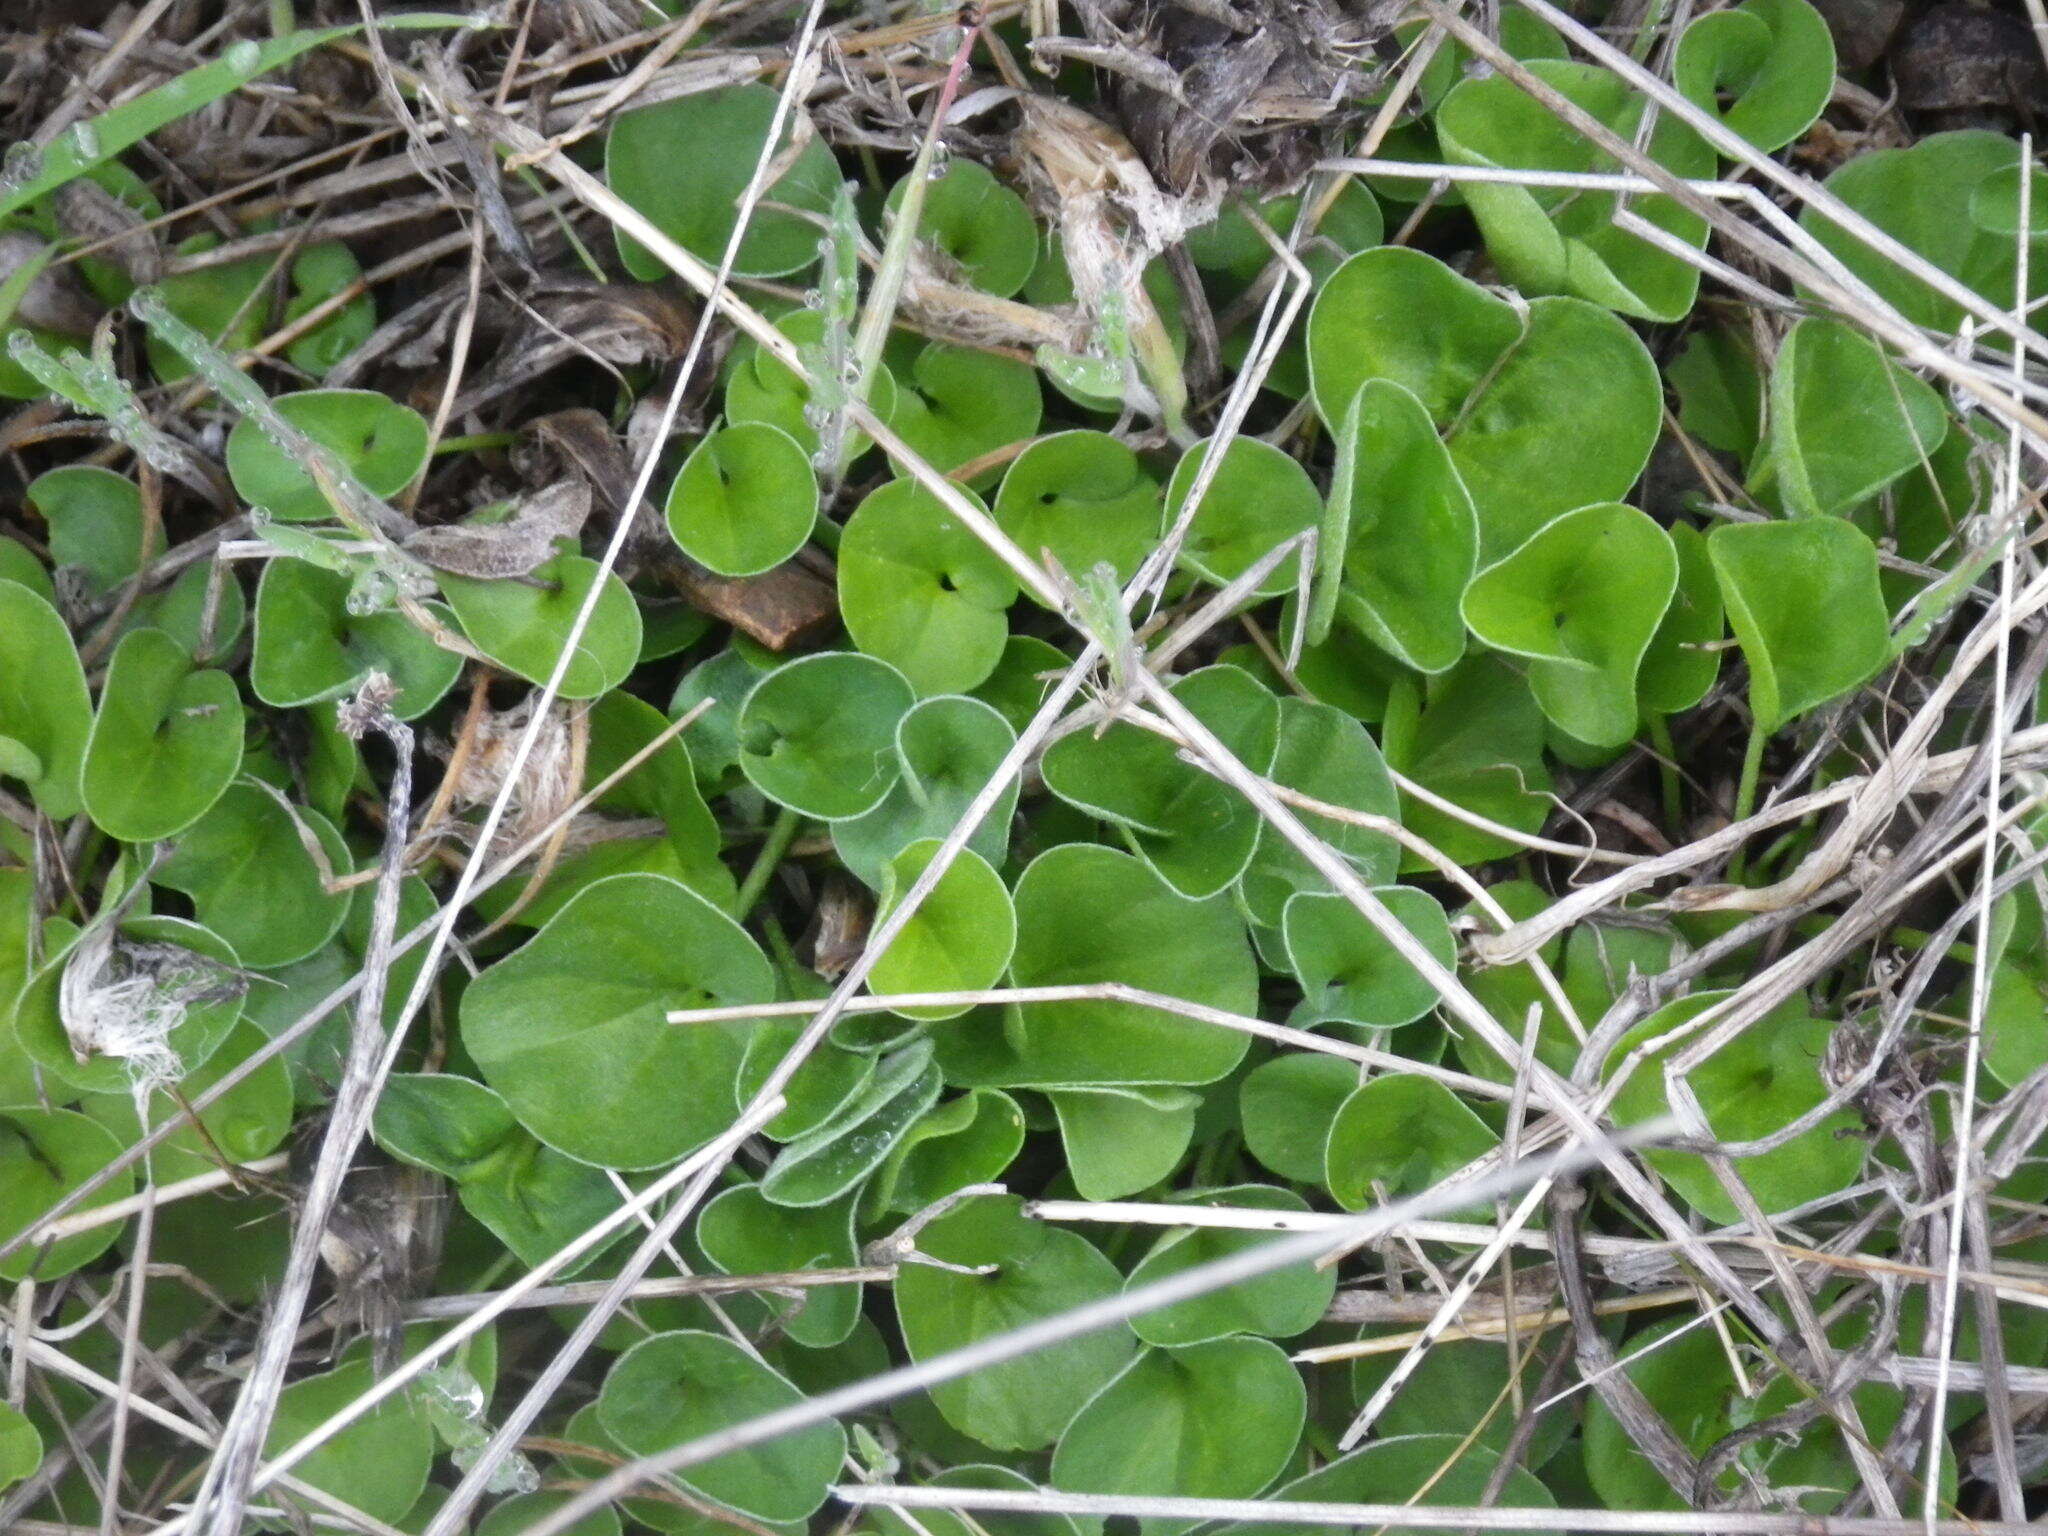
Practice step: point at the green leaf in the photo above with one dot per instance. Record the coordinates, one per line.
(1275, 1306)
(44, 1155)
(1121, 1140)
(817, 734)
(1190, 826)
(954, 404)
(379, 1463)
(1581, 599)
(1260, 498)
(1720, 389)
(1775, 58)
(1084, 496)
(1478, 742)
(1040, 1271)
(1766, 1077)
(1400, 536)
(522, 627)
(981, 227)
(1804, 601)
(571, 1029)
(960, 938)
(1217, 1420)
(743, 1233)
(166, 743)
(523, 1511)
(249, 1121)
(1681, 664)
(1403, 1132)
(21, 1448)
(200, 607)
(1349, 973)
(1845, 421)
(1088, 914)
(832, 1159)
(252, 880)
(967, 1140)
(685, 164)
(446, 1124)
(1286, 1106)
(1405, 1469)
(45, 713)
(95, 520)
(1543, 409)
(745, 499)
(1564, 240)
(1926, 198)
(948, 748)
(919, 590)
(382, 443)
(536, 1201)
(761, 389)
(310, 647)
(1326, 755)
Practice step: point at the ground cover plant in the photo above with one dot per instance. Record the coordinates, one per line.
(1044, 770)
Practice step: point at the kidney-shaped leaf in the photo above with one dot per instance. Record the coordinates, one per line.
(383, 443)
(44, 1155)
(571, 1028)
(1350, 973)
(1275, 1306)
(1119, 1140)
(675, 1387)
(310, 647)
(1258, 498)
(983, 227)
(744, 1234)
(1845, 421)
(949, 747)
(745, 499)
(1581, 599)
(1084, 496)
(166, 743)
(95, 522)
(246, 867)
(1803, 599)
(522, 627)
(817, 734)
(1328, 756)
(1403, 1132)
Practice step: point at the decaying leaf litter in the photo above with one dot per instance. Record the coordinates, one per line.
(1085, 635)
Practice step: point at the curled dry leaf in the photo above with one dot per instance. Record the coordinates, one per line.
(87, 212)
(516, 547)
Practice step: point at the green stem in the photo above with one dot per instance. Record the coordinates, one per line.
(1745, 792)
(475, 441)
(780, 835)
(1667, 772)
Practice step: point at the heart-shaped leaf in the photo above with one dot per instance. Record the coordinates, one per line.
(1845, 421)
(982, 228)
(1774, 58)
(744, 1234)
(1565, 240)
(166, 743)
(1120, 1140)
(1804, 601)
(959, 939)
(817, 734)
(761, 388)
(1402, 1133)
(1349, 972)
(1217, 1420)
(968, 1140)
(1084, 496)
(954, 404)
(21, 1447)
(310, 647)
(383, 443)
(1327, 756)
(379, 1462)
(948, 748)
(1286, 1106)
(95, 521)
(1400, 536)
(1260, 498)
(1543, 410)
(1581, 599)
(252, 880)
(686, 162)
(745, 499)
(572, 1028)
(921, 591)
(1477, 741)
(1275, 1306)
(44, 1155)
(522, 627)
(1036, 1271)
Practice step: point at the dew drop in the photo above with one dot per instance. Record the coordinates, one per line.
(85, 142)
(245, 58)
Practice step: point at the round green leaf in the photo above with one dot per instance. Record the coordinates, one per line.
(954, 404)
(685, 164)
(967, 1140)
(1039, 1271)
(676, 1387)
(1803, 599)
(523, 1511)
(1845, 421)
(921, 591)
(1286, 1105)
(1217, 1421)
(959, 939)
(202, 611)
(1775, 58)
(166, 743)
(44, 1155)
(45, 713)
(744, 500)
(1084, 496)
(744, 1234)
(382, 442)
(323, 271)
(1260, 497)
(1581, 599)
(817, 734)
(1349, 972)
(1089, 914)
(379, 1463)
(246, 867)
(760, 388)
(980, 227)
(309, 647)
(521, 627)
(1275, 1306)
(572, 1028)
(1120, 1140)
(1404, 1132)
(447, 1124)
(949, 748)
(1478, 742)
(95, 520)
(1327, 755)
(1681, 663)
